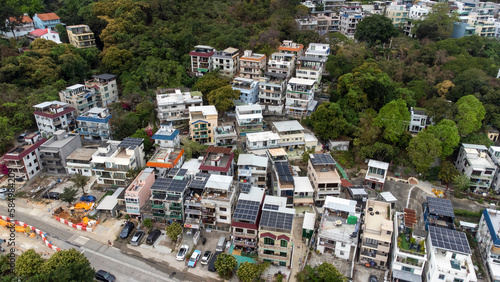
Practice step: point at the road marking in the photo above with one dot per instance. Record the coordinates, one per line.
(128, 265)
(409, 194)
(81, 240)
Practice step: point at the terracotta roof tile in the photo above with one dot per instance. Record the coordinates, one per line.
(48, 16)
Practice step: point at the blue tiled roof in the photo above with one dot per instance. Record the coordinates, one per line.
(91, 119)
(165, 136)
(199, 121)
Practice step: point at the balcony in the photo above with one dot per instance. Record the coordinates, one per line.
(159, 214)
(243, 234)
(174, 216)
(201, 136)
(245, 243)
(274, 247)
(175, 207)
(208, 220)
(157, 206)
(274, 257)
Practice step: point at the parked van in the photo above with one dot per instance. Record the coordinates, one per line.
(221, 244)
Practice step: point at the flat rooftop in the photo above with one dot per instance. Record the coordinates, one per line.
(82, 154)
(262, 136)
(377, 217)
(289, 125)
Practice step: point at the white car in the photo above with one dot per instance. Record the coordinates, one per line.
(206, 257)
(181, 255)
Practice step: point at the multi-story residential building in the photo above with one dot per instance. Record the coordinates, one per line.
(79, 97)
(246, 217)
(18, 27)
(449, 256)
(54, 152)
(307, 23)
(318, 50)
(494, 154)
(323, 174)
(252, 169)
(24, 160)
(173, 103)
(262, 140)
(249, 90)
(461, 29)
(167, 196)
(291, 47)
(111, 163)
(46, 20)
(226, 61)
(484, 28)
(252, 65)
(138, 192)
(338, 230)
(192, 203)
(95, 124)
(328, 21)
(335, 5)
(53, 116)
(272, 92)
(310, 68)
(283, 63)
(275, 231)
(350, 16)
(225, 134)
(397, 13)
(303, 193)
(80, 36)
(300, 96)
(474, 162)
(377, 234)
(282, 181)
(408, 260)
(165, 159)
(438, 212)
(376, 174)
(202, 121)
(489, 243)
(105, 88)
(291, 134)
(218, 160)
(419, 120)
(201, 59)
(218, 202)
(167, 136)
(44, 34)
(249, 119)
(80, 161)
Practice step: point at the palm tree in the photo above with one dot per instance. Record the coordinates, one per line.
(80, 181)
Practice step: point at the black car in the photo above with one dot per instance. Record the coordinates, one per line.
(127, 229)
(102, 275)
(51, 195)
(373, 278)
(153, 236)
(211, 264)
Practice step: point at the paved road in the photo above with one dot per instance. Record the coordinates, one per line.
(124, 267)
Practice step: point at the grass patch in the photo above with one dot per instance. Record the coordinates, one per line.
(472, 215)
(20, 194)
(108, 193)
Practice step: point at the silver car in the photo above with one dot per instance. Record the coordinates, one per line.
(136, 240)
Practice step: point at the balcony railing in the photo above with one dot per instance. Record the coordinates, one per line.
(175, 207)
(275, 257)
(245, 242)
(159, 214)
(157, 206)
(274, 247)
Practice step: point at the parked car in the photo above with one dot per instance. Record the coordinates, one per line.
(21, 137)
(203, 241)
(88, 198)
(127, 229)
(206, 257)
(194, 258)
(153, 236)
(51, 195)
(211, 264)
(102, 275)
(136, 240)
(373, 278)
(181, 255)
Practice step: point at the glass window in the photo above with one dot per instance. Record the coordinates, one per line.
(268, 241)
(284, 243)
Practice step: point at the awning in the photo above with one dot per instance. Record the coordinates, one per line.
(406, 276)
(108, 203)
(202, 70)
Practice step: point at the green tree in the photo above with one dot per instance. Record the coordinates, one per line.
(423, 149)
(248, 272)
(28, 264)
(470, 114)
(366, 132)
(80, 181)
(447, 132)
(328, 121)
(148, 223)
(141, 133)
(69, 195)
(328, 272)
(210, 82)
(71, 271)
(468, 82)
(305, 155)
(223, 98)
(478, 139)
(64, 258)
(447, 173)
(375, 29)
(461, 182)
(6, 134)
(174, 230)
(379, 151)
(394, 117)
(193, 149)
(63, 33)
(439, 108)
(225, 265)
(438, 24)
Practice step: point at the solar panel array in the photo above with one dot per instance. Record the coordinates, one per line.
(246, 210)
(271, 207)
(245, 187)
(161, 184)
(177, 185)
(284, 172)
(274, 219)
(172, 172)
(449, 239)
(131, 143)
(440, 206)
(199, 181)
(182, 172)
(322, 159)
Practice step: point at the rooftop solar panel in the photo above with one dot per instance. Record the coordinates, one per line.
(177, 185)
(199, 181)
(322, 159)
(448, 239)
(245, 187)
(440, 207)
(131, 143)
(284, 173)
(271, 207)
(274, 219)
(246, 210)
(161, 184)
(172, 172)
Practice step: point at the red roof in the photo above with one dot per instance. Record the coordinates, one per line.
(48, 16)
(25, 19)
(19, 157)
(281, 237)
(39, 32)
(345, 183)
(47, 115)
(223, 150)
(205, 55)
(244, 225)
(267, 234)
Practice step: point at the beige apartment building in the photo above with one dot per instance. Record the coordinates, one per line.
(377, 235)
(322, 172)
(252, 65)
(202, 121)
(81, 36)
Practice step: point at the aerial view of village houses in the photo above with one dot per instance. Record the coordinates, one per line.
(250, 140)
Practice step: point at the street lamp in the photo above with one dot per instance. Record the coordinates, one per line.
(48, 197)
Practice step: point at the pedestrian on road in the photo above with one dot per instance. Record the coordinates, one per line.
(109, 242)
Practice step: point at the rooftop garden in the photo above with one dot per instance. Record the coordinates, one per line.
(407, 243)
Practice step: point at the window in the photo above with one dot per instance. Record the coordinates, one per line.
(284, 243)
(223, 217)
(238, 229)
(282, 254)
(222, 209)
(268, 241)
(250, 231)
(408, 269)
(441, 276)
(282, 263)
